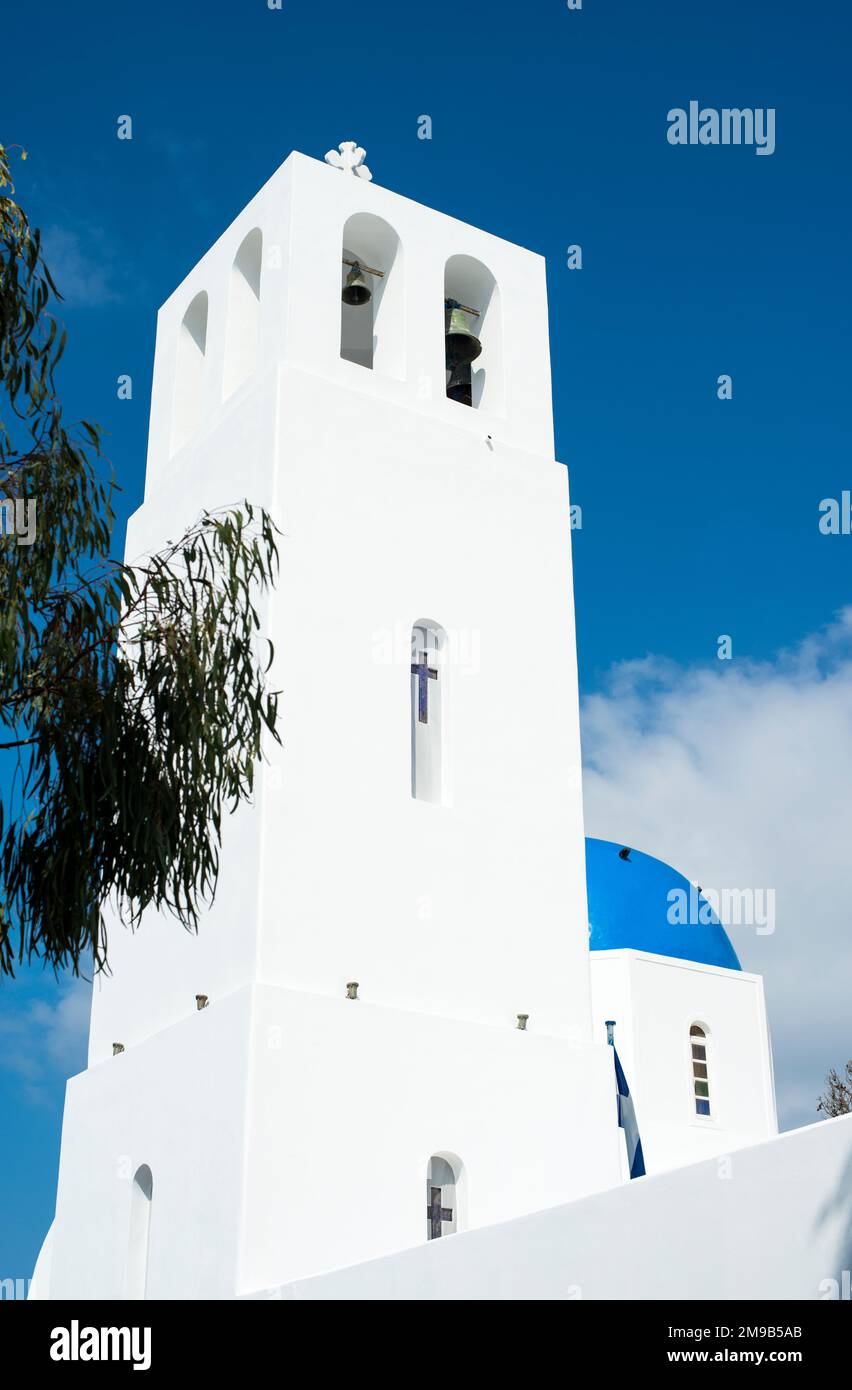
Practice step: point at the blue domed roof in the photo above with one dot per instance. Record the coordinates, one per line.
(630, 905)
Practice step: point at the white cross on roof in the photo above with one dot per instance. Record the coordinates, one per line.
(350, 159)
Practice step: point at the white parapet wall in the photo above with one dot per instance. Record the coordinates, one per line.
(769, 1222)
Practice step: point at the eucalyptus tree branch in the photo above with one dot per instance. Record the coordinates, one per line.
(135, 701)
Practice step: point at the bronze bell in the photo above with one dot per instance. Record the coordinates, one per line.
(461, 342)
(459, 387)
(356, 291)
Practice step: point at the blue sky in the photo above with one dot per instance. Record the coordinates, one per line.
(699, 516)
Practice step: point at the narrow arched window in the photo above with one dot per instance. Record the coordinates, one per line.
(473, 335)
(140, 1232)
(441, 1198)
(699, 1049)
(189, 372)
(428, 711)
(243, 313)
(372, 322)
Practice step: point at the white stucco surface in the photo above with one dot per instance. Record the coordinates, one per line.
(287, 1132)
(655, 1000)
(773, 1223)
(394, 508)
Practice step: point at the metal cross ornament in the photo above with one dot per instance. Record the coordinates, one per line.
(437, 1214)
(424, 673)
(350, 160)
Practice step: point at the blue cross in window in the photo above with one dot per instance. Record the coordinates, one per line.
(424, 673)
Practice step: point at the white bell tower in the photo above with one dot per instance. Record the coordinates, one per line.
(397, 1045)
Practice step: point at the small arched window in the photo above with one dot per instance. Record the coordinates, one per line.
(243, 313)
(441, 1198)
(372, 322)
(699, 1049)
(476, 336)
(428, 711)
(140, 1232)
(189, 372)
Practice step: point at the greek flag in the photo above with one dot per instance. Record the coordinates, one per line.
(627, 1115)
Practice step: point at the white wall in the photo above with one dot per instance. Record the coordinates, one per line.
(176, 1102)
(777, 1226)
(289, 1133)
(476, 908)
(654, 1000)
(323, 200)
(350, 1100)
(393, 507)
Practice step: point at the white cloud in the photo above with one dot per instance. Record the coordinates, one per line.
(44, 1041)
(740, 775)
(82, 265)
(64, 1025)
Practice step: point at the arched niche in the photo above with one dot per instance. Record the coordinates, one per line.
(469, 282)
(372, 335)
(243, 323)
(189, 372)
(141, 1197)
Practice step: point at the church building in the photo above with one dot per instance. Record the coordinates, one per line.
(395, 1026)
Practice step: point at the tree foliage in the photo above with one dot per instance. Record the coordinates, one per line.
(836, 1099)
(133, 698)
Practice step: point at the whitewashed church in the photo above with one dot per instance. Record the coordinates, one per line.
(383, 1069)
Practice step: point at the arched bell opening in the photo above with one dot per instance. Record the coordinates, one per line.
(372, 324)
(473, 335)
(243, 322)
(189, 373)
